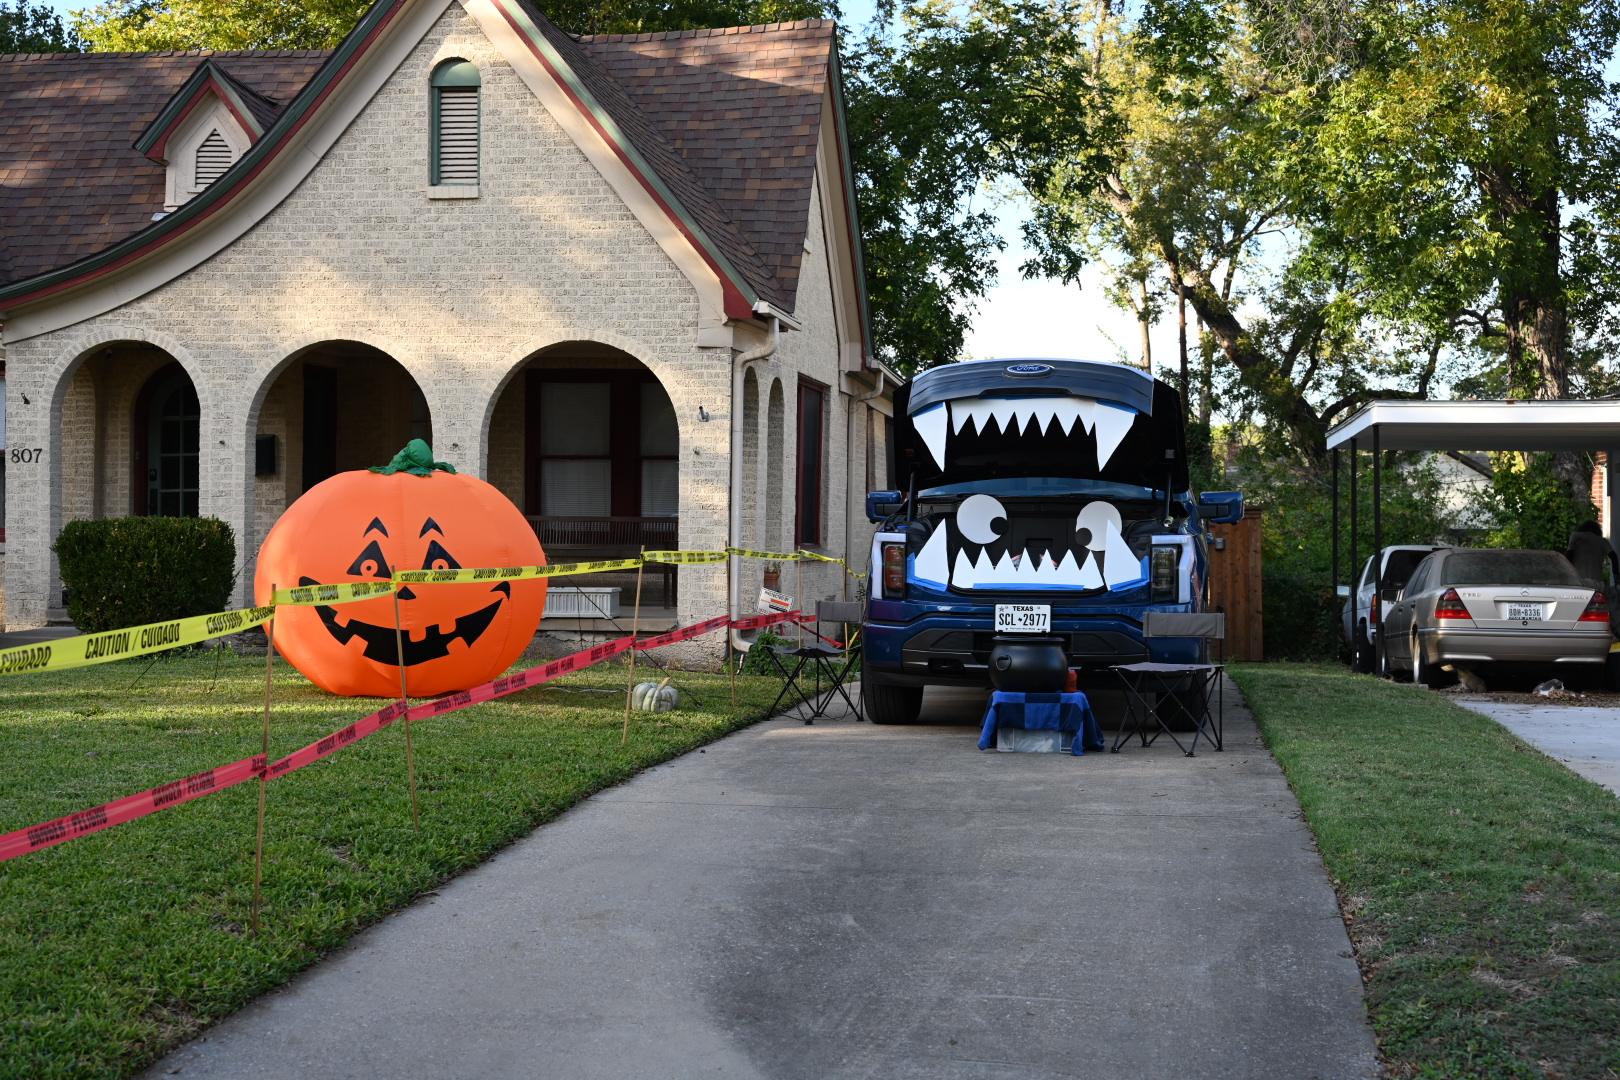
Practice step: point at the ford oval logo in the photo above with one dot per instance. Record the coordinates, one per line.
(1028, 370)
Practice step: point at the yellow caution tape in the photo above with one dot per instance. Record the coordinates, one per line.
(110, 645)
(346, 592)
(685, 556)
(770, 556)
(803, 554)
(513, 573)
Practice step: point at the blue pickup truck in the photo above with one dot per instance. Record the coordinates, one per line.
(1045, 511)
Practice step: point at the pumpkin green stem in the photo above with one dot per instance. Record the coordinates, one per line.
(416, 459)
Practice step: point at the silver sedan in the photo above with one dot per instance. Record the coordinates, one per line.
(1475, 607)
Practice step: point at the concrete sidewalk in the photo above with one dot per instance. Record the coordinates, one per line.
(846, 900)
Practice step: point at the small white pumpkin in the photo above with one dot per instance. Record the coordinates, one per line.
(654, 697)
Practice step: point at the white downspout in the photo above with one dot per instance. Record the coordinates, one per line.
(763, 352)
(855, 409)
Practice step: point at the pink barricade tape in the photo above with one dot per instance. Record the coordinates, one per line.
(50, 833)
(130, 807)
(685, 633)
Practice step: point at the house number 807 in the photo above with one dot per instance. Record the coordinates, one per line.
(25, 456)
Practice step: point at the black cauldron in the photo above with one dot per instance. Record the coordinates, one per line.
(1028, 665)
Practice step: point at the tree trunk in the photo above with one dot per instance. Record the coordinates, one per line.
(1146, 327)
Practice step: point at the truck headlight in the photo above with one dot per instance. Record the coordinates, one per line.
(1164, 573)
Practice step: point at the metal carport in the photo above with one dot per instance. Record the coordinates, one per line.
(1381, 426)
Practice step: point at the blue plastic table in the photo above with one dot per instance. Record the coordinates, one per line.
(1068, 713)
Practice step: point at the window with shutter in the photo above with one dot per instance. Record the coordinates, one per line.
(455, 123)
(214, 156)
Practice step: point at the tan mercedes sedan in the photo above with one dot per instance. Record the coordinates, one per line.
(1475, 607)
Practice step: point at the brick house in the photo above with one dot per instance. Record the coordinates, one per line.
(616, 276)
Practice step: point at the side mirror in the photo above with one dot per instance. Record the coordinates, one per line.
(881, 505)
(1220, 507)
(1342, 592)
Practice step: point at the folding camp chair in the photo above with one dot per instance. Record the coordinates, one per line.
(826, 660)
(1159, 693)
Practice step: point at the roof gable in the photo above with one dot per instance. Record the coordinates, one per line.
(742, 107)
(252, 110)
(720, 127)
(71, 183)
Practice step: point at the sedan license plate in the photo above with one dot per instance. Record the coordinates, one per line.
(1023, 618)
(1525, 612)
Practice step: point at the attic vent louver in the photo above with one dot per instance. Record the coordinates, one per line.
(213, 158)
(458, 135)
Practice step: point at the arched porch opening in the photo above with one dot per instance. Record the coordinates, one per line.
(750, 459)
(330, 408)
(774, 535)
(127, 426)
(583, 438)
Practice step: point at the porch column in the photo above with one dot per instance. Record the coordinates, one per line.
(225, 467)
(33, 492)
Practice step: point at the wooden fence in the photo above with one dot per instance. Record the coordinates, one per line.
(1234, 585)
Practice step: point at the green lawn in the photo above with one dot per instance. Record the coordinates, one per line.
(1480, 879)
(117, 946)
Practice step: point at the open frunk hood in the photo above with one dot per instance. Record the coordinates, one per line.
(979, 420)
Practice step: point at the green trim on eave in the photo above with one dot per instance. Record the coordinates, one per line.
(624, 146)
(247, 166)
(835, 82)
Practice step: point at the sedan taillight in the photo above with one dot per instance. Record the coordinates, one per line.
(1597, 609)
(1450, 606)
(894, 571)
(1372, 611)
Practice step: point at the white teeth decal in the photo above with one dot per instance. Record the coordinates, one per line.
(1090, 576)
(931, 562)
(1087, 413)
(1011, 417)
(1122, 566)
(1112, 426)
(1003, 410)
(1043, 410)
(1066, 411)
(930, 425)
(964, 575)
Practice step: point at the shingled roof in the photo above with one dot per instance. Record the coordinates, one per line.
(742, 106)
(728, 119)
(71, 182)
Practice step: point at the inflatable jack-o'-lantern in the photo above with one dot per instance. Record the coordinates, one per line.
(413, 514)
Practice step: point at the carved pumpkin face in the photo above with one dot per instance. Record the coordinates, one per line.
(364, 526)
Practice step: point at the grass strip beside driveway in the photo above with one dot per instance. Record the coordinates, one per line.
(1479, 878)
(116, 947)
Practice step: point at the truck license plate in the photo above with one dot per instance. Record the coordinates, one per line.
(1525, 612)
(1023, 618)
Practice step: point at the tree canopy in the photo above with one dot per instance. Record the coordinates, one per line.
(29, 27)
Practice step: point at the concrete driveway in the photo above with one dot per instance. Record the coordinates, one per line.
(1585, 738)
(846, 900)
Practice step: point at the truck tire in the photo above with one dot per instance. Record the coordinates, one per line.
(886, 703)
(1363, 661)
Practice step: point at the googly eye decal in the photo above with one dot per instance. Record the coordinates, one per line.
(977, 516)
(1098, 519)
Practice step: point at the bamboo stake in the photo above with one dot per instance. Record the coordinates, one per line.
(405, 718)
(733, 588)
(635, 632)
(264, 777)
